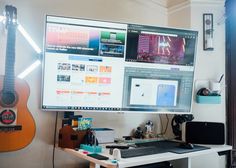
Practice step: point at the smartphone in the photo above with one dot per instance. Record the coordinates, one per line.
(97, 156)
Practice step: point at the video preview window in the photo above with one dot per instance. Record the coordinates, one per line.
(153, 46)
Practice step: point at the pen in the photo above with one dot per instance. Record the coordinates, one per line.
(221, 78)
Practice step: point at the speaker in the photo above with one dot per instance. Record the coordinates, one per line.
(203, 132)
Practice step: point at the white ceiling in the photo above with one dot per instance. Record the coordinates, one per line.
(168, 3)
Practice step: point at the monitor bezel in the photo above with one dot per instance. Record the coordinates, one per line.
(70, 108)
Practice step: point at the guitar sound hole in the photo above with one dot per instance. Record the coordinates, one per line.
(8, 98)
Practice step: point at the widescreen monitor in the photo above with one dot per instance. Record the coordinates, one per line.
(100, 66)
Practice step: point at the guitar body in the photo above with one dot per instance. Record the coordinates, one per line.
(11, 140)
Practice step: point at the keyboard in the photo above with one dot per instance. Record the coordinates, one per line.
(159, 144)
(140, 151)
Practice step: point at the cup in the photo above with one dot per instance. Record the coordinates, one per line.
(215, 87)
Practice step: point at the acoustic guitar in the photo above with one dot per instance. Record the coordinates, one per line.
(17, 126)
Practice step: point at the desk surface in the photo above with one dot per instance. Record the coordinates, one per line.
(169, 156)
(80, 154)
(141, 160)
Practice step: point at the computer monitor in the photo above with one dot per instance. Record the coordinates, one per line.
(100, 66)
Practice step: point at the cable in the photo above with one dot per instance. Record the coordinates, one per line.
(54, 140)
(166, 124)
(164, 132)
(161, 124)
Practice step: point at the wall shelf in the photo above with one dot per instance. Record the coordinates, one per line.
(208, 99)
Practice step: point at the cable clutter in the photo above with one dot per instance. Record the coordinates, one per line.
(176, 123)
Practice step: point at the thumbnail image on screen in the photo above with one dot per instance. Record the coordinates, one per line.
(76, 39)
(166, 95)
(112, 44)
(72, 39)
(160, 49)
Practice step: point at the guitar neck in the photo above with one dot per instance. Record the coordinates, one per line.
(8, 84)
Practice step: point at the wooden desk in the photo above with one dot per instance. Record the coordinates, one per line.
(148, 159)
(93, 161)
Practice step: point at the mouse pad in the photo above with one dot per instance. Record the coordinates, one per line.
(172, 146)
(182, 150)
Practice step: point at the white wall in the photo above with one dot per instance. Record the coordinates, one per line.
(31, 14)
(216, 60)
(210, 65)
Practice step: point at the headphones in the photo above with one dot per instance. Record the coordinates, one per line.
(203, 92)
(206, 92)
(176, 122)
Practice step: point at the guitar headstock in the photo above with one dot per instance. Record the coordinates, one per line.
(11, 15)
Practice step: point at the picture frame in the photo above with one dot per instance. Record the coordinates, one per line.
(208, 30)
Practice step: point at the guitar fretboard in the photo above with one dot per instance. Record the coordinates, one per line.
(8, 84)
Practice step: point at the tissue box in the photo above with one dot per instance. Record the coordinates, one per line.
(104, 135)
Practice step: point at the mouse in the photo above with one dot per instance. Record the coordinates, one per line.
(186, 145)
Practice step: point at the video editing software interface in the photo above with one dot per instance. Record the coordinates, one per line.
(94, 65)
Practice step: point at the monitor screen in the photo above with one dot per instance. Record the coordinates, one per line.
(92, 65)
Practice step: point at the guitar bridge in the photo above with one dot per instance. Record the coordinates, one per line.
(10, 128)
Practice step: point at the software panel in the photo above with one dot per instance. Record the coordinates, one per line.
(92, 65)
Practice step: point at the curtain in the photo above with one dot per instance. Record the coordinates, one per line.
(230, 13)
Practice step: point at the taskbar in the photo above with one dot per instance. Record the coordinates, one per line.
(115, 109)
(81, 108)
